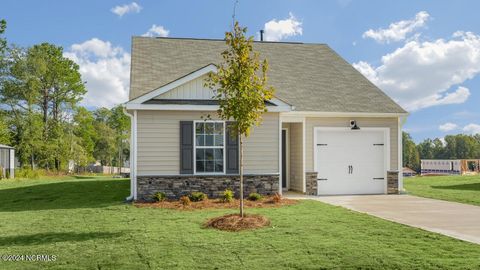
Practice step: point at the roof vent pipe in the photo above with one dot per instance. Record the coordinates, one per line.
(261, 35)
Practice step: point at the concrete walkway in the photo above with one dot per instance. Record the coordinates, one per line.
(461, 221)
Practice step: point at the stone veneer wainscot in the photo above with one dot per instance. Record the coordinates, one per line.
(176, 186)
(392, 182)
(311, 183)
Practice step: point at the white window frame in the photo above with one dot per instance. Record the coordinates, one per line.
(207, 147)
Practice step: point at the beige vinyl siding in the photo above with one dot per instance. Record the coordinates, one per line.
(193, 89)
(296, 156)
(158, 134)
(391, 123)
(261, 148)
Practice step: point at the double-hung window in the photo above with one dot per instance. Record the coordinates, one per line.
(209, 147)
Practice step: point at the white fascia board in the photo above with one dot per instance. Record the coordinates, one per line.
(183, 107)
(341, 114)
(161, 90)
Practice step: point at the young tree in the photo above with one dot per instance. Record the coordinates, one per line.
(240, 86)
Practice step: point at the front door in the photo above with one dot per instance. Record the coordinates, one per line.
(284, 159)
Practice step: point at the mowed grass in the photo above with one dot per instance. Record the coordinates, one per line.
(462, 189)
(85, 223)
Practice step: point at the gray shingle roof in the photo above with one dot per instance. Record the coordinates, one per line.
(311, 77)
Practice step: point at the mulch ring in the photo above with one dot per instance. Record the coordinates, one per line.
(235, 223)
(217, 204)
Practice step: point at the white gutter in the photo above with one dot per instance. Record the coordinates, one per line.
(341, 114)
(133, 154)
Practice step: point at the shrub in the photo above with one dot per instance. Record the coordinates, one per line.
(198, 196)
(160, 196)
(185, 200)
(227, 196)
(28, 173)
(277, 198)
(254, 196)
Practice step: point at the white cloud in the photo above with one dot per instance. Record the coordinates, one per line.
(472, 128)
(127, 8)
(105, 68)
(421, 74)
(156, 31)
(276, 30)
(398, 30)
(448, 127)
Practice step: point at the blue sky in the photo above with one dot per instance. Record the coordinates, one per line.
(425, 54)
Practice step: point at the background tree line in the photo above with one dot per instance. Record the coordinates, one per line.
(40, 115)
(459, 146)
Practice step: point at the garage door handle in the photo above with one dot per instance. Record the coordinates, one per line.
(350, 169)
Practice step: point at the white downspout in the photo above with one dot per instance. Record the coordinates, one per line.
(133, 154)
(401, 122)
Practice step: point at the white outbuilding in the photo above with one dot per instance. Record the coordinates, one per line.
(7, 161)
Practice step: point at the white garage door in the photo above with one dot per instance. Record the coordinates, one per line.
(350, 161)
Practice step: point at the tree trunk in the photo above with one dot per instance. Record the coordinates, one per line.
(45, 107)
(120, 165)
(241, 176)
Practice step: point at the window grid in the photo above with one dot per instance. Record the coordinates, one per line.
(209, 142)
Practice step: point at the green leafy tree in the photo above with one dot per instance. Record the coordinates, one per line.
(56, 78)
(84, 130)
(120, 123)
(5, 135)
(438, 149)
(425, 149)
(40, 81)
(240, 86)
(19, 95)
(105, 144)
(411, 157)
(3, 42)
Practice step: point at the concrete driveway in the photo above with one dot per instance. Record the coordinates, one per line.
(461, 221)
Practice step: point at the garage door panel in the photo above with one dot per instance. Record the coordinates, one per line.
(350, 162)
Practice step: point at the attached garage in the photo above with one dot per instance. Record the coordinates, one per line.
(351, 161)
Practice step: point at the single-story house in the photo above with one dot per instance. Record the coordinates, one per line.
(7, 161)
(450, 166)
(328, 130)
(407, 172)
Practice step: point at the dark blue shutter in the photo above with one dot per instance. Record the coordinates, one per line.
(231, 149)
(186, 147)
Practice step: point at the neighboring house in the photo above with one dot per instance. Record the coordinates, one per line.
(407, 172)
(450, 166)
(327, 131)
(7, 161)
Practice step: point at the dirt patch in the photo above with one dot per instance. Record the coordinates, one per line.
(218, 204)
(235, 223)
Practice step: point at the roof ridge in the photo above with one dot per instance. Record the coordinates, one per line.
(218, 39)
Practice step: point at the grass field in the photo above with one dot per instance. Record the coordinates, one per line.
(85, 224)
(463, 189)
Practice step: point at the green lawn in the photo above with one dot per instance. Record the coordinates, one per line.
(463, 189)
(87, 226)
